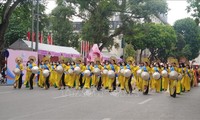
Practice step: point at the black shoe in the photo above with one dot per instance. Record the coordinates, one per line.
(31, 88)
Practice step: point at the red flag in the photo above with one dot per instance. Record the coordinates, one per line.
(83, 44)
(33, 36)
(88, 46)
(40, 38)
(91, 47)
(28, 36)
(49, 39)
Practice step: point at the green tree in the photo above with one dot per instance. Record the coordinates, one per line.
(194, 9)
(135, 34)
(62, 27)
(97, 14)
(160, 41)
(6, 11)
(158, 38)
(189, 31)
(129, 51)
(21, 21)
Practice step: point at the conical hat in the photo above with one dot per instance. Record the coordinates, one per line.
(61, 58)
(174, 61)
(130, 59)
(32, 58)
(18, 59)
(146, 60)
(183, 60)
(79, 59)
(97, 60)
(46, 59)
(170, 60)
(113, 58)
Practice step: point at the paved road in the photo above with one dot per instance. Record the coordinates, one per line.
(39, 104)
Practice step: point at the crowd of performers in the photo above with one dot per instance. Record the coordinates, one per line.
(173, 76)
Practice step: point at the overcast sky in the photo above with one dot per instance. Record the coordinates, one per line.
(177, 9)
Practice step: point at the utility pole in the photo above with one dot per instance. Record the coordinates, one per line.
(32, 28)
(37, 31)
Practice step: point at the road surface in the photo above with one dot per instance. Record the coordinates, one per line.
(70, 104)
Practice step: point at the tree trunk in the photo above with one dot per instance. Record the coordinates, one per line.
(7, 12)
(141, 56)
(2, 33)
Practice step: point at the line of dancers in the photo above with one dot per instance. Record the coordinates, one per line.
(173, 76)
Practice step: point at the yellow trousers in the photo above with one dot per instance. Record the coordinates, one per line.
(172, 86)
(187, 83)
(27, 78)
(77, 82)
(122, 81)
(178, 87)
(157, 85)
(144, 85)
(126, 84)
(165, 83)
(66, 79)
(59, 81)
(105, 81)
(152, 84)
(87, 82)
(94, 80)
(71, 80)
(139, 83)
(52, 78)
(110, 83)
(41, 80)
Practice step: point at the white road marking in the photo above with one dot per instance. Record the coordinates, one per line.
(106, 119)
(61, 96)
(145, 101)
(6, 92)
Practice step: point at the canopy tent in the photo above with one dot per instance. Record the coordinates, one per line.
(45, 49)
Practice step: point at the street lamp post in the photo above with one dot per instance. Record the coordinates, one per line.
(32, 28)
(37, 30)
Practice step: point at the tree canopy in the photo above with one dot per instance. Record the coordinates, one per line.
(188, 38)
(62, 27)
(158, 38)
(194, 9)
(97, 14)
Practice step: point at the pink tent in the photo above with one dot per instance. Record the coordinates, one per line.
(94, 53)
